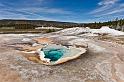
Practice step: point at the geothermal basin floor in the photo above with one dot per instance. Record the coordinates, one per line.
(103, 62)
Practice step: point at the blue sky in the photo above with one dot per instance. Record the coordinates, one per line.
(62, 10)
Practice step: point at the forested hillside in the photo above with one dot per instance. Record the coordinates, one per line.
(115, 24)
(32, 24)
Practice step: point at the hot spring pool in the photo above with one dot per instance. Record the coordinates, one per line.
(54, 52)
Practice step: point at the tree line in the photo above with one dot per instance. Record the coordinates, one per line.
(117, 24)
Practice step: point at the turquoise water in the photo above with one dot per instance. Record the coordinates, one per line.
(54, 52)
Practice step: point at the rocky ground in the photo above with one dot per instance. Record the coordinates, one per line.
(103, 61)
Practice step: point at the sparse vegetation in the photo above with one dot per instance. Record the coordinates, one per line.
(50, 30)
(115, 24)
(23, 26)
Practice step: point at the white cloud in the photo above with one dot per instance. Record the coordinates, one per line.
(104, 5)
(12, 15)
(29, 11)
(45, 10)
(37, 10)
(115, 11)
(107, 8)
(119, 9)
(4, 14)
(101, 9)
(107, 2)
